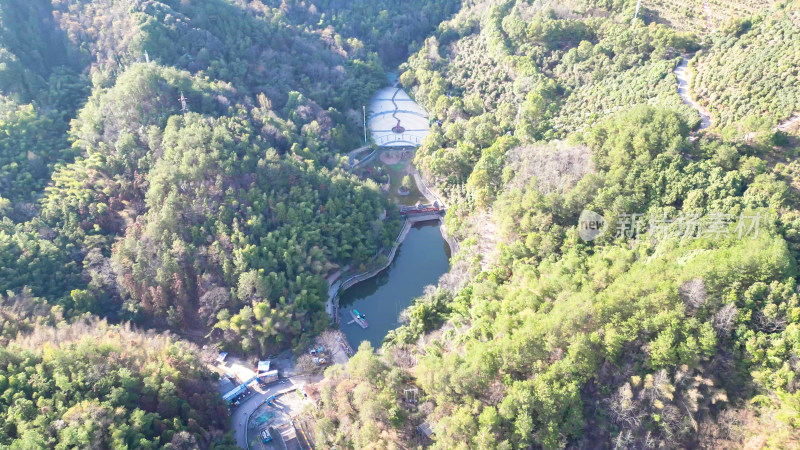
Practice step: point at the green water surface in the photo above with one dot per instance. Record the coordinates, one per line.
(421, 259)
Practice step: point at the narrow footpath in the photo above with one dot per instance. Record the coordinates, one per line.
(684, 91)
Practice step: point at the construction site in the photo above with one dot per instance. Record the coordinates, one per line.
(273, 426)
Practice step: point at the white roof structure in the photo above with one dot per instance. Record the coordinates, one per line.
(389, 105)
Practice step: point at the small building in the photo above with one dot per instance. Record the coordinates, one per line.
(221, 357)
(425, 429)
(263, 366)
(225, 385)
(268, 377)
(234, 393)
(231, 395)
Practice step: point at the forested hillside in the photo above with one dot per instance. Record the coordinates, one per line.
(244, 105)
(175, 165)
(393, 29)
(634, 339)
(676, 327)
(182, 166)
(93, 385)
(536, 73)
(41, 88)
(702, 16)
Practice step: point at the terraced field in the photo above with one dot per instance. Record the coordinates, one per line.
(754, 75)
(701, 16)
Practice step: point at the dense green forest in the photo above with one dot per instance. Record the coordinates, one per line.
(119, 116)
(94, 385)
(529, 73)
(174, 165)
(181, 165)
(392, 29)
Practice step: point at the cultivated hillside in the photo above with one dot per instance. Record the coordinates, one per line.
(676, 327)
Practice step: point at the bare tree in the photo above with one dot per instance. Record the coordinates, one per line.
(212, 301)
(693, 293)
(306, 365)
(556, 166)
(402, 357)
(330, 339)
(624, 409)
(458, 275)
(725, 318)
(769, 323)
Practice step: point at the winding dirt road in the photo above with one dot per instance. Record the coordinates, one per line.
(685, 92)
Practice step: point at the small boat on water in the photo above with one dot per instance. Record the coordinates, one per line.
(358, 318)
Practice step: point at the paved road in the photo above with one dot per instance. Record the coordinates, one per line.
(330, 307)
(355, 151)
(243, 411)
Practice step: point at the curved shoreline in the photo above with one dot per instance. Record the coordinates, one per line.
(338, 287)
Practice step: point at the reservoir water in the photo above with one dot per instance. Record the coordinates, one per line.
(421, 259)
